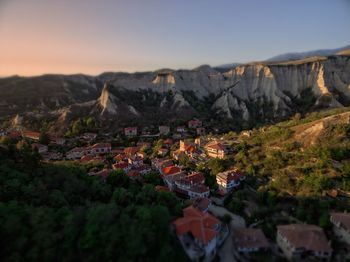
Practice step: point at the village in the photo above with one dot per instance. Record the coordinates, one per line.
(172, 156)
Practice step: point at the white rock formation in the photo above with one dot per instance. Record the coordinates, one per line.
(108, 101)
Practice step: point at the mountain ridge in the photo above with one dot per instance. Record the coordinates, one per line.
(249, 93)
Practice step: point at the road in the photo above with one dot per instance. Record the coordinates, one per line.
(226, 251)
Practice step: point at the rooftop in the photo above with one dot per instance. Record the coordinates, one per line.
(309, 237)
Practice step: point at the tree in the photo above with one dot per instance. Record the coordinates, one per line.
(118, 178)
(44, 138)
(153, 178)
(216, 165)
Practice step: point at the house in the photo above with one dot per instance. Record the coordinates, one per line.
(228, 180)
(99, 148)
(75, 153)
(52, 156)
(164, 130)
(141, 155)
(200, 131)
(216, 149)
(168, 143)
(14, 135)
(131, 151)
(163, 151)
(177, 155)
(57, 140)
(301, 241)
(341, 226)
(198, 191)
(202, 204)
(160, 163)
(249, 240)
(189, 148)
(143, 169)
(135, 161)
(170, 174)
(199, 141)
(141, 144)
(3, 132)
(89, 158)
(194, 123)
(192, 185)
(180, 129)
(186, 146)
(199, 230)
(31, 135)
(89, 136)
(120, 157)
(123, 166)
(41, 148)
(103, 174)
(130, 131)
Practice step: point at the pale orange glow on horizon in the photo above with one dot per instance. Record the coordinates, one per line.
(93, 36)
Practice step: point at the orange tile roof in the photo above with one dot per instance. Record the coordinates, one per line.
(170, 170)
(101, 145)
(201, 225)
(131, 150)
(31, 134)
(216, 146)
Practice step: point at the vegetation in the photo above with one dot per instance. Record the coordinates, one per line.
(55, 212)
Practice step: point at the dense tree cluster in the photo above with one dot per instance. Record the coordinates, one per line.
(58, 213)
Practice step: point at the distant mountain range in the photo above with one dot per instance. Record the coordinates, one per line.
(302, 55)
(242, 96)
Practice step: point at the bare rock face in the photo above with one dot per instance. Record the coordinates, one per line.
(108, 101)
(230, 106)
(245, 92)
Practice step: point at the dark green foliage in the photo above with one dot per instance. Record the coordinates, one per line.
(58, 213)
(305, 102)
(44, 138)
(81, 125)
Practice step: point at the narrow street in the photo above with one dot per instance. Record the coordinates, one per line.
(226, 251)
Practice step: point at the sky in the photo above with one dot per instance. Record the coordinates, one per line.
(95, 36)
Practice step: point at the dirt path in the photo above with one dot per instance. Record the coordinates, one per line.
(226, 251)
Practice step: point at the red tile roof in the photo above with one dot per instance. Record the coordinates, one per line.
(101, 145)
(170, 170)
(131, 150)
(230, 175)
(120, 165)
(202, 203)
(201, 225)
(31, 134)
(216, 146)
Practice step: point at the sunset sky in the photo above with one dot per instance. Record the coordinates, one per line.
(93, 36)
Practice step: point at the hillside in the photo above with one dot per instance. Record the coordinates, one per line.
(306, 157)
(244, 96)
